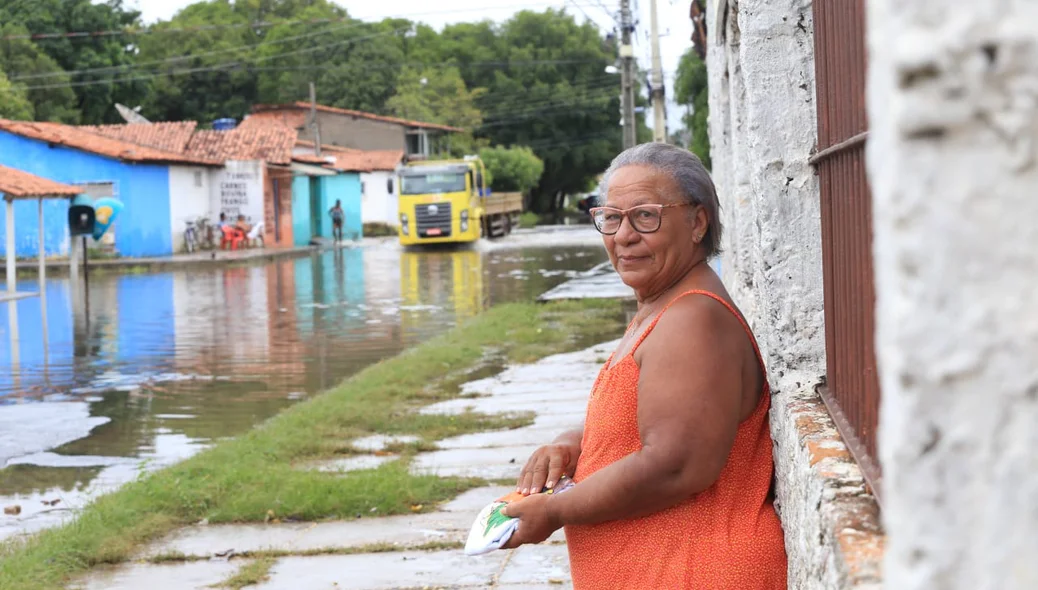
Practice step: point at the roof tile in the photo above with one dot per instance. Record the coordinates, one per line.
(171, 136)
(17, 183)
(256, 140)
(90, 141)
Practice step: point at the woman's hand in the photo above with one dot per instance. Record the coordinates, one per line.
(549, 463)
(536, 520)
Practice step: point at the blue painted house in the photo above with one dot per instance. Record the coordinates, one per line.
(155, 185)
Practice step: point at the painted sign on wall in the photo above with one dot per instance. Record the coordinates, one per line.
(238, 190)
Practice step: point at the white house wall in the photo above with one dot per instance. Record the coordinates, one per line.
(236, 189)
(189, 199)
(762, 127)
(953, 164)
(377, 204)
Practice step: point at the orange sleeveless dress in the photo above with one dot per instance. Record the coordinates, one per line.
(727, 537)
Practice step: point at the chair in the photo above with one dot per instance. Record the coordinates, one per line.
(230, 236)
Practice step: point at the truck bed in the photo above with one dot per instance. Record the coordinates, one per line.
(503, 203)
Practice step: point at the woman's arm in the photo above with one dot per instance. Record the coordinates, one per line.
(689, 407)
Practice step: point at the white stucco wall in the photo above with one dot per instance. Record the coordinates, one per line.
(377, 205)
(238, 188)
(189, 199)
(762, 131)
(953, 107)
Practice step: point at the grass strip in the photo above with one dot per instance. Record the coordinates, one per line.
(250, 574)
(254, 477)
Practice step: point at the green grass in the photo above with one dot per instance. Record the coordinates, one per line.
(254, 478)
(252, 573)
(529, 219)
(379, 230)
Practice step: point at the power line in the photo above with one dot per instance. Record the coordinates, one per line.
(224, 66)
(134, 31)
(179, 58)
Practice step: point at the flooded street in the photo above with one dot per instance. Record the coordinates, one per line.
(145, 369)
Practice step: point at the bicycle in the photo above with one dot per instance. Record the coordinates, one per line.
(206, 234)
(190, 237)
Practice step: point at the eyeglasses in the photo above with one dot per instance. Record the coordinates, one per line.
(645, 219)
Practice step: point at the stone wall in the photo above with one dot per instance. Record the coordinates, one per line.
(760, 63)
(953, 107)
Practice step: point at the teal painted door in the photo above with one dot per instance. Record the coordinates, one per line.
(346, 189)
(317, 209)
(302, 225)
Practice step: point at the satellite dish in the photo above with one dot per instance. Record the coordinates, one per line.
(130, 115)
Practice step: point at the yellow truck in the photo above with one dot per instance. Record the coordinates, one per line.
(448, 201)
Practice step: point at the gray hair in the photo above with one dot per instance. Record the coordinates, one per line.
(687, 170)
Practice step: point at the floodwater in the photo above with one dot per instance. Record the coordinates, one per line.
(142, 370)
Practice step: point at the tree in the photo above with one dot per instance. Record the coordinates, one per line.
(200, 75)
(512, 169)
(546, 89)
(13, 104)
(38, 79)
(436, 96)
(99, 66)
(690, 89)
(355, 65)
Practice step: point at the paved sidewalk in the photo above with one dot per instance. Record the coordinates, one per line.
(554, 388)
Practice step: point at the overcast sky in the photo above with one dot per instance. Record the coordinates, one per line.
(675, 27)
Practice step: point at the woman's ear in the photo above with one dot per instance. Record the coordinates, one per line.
(700, 224)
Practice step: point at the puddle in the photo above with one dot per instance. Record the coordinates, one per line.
(150, 368)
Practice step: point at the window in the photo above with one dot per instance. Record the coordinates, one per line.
(851, 391)
(198, 178)
(432, 182)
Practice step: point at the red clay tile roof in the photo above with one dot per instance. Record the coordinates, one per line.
(16, 183)
(299, 115)
(170, 137)
(257, 140)
(350, 159)
(89, 141)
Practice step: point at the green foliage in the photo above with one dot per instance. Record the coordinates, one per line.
(512, 169)
(690, 89)
(13, 104)
(39, 78)
(529, 219)
(436, 96)
(108, 57)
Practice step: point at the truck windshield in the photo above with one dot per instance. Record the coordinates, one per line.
(422, 184)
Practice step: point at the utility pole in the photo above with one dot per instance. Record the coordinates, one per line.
(627, 75)
(313, 119)
(659, 101)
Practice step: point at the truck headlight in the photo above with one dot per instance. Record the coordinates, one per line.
(403, 224)
(464, 225)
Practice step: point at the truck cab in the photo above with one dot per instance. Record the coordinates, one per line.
(441, 201)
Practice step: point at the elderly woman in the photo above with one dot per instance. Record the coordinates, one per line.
(673, 466)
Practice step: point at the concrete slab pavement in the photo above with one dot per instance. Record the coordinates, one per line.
(555, 389)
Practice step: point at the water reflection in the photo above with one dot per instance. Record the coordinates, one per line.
(156, 366)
